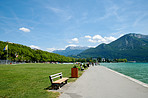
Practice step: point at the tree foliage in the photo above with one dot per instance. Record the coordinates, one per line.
(27, 54)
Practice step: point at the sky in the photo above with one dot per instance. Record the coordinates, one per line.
(56, 24)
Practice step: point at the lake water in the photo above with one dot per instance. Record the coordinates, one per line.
(138, 71)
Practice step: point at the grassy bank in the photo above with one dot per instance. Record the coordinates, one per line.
(30, 80)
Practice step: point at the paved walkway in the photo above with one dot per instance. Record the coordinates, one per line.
(99, 82)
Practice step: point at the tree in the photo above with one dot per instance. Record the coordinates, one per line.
(99, 59)
(27, 54)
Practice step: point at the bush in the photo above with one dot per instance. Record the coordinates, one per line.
(75, 66)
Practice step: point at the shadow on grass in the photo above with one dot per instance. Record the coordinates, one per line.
(49, 88)
(54, 87)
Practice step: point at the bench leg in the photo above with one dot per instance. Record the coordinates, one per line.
(58, 86)
(66, 82)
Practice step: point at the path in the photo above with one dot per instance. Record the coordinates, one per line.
(99, 82)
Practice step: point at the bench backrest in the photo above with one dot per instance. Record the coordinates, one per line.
(51, 77)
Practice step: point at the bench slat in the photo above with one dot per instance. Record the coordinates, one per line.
(60, 81)
(56, 77)
(56, 74)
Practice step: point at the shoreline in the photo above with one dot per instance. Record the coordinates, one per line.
(128, 77)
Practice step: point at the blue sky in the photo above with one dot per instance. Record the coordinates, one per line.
(56, 24)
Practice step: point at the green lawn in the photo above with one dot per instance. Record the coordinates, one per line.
(30, 80)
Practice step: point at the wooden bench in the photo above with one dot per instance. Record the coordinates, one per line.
(56, 84)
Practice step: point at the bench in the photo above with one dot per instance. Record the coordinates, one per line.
(56, 84)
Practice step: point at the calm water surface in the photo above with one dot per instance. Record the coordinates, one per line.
(138, 71)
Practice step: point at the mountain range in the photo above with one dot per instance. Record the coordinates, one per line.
(71, 50)
(133, 47)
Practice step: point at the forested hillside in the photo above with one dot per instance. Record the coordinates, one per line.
(17, 52)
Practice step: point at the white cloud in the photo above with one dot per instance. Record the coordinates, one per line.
(121, 35)
(97, 37)
(63, 13)
(70, 42)
(74, 40)
(91, 40)
(50, 49)
(36, 47)
(56, 10)
(110, 38)
(60, 49)
(87, 36)
(71, 45)
(111, 11)
(92, 46)
(100, 39)
(24, 29)
(139, 19)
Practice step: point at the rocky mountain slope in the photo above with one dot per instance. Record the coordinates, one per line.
(71, 50)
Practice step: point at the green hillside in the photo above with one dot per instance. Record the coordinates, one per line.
(27, 54)
(130, 46)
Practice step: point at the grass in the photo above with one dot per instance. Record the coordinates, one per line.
(30, 80)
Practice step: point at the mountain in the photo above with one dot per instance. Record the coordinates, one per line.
(130, 46)
(71, 50)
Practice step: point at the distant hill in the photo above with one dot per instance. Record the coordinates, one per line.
(130, 46)
(17, 52)
(71, 50)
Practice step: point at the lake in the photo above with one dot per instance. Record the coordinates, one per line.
(138, 71)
